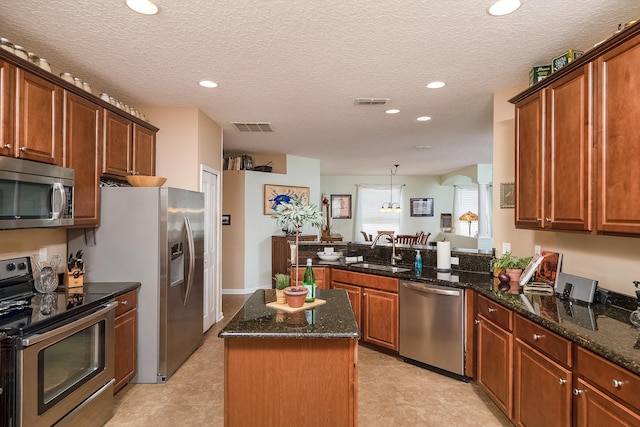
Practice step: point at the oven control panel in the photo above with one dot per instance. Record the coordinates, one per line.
(15, 269)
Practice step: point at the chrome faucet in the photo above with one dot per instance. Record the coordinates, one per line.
(394, 257)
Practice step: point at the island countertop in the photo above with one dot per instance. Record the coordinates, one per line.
(335, 319)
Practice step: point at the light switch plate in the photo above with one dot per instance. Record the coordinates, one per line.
(506, 247)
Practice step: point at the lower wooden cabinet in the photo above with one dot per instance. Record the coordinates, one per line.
(595, 408)
(125, 339)
(322, 276)
(374, 300)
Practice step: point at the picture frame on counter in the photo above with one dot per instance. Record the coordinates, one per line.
(421, 207)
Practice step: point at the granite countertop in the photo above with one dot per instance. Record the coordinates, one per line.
(335, 319)
(112, 289)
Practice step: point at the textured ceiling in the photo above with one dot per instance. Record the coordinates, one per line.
(300, 64)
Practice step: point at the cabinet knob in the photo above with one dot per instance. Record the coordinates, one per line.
(491, 310)
(616, 383)
(538, 219)
(7, 145)
(536, 337)
(477, 322)
(124, 302)
(562, 381)
(548, 219)
(22, 148)
(364, 294)
(577, 391)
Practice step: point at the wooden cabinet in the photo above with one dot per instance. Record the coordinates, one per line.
(542, 378)
(82, 141)
(374, 300)
(554, 156)
(129, 149)
(144, 151)
(617, 112)
(494, 371)
(322, 274)
(125, 339)
(39, 119)
(281, 252)
(604, 394)
(7, 108)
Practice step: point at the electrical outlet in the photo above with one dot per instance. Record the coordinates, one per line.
(455, 260)
(42, 254)
(506, 247)
(537, 249)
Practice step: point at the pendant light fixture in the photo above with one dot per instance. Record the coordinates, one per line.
(390, 206)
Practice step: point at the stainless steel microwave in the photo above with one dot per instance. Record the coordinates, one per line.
(34, 195)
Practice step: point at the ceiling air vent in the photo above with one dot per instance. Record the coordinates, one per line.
(372, 101)
(253, 126)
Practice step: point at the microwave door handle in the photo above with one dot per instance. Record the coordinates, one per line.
(192, 261)
(58, 200)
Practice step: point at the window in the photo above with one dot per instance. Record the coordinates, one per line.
(466, 200)
(368, 217)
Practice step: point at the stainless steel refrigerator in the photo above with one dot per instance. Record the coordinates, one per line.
(154, 236)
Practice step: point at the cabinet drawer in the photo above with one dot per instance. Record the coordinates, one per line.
(501, 316)
(126, 302)
(368, 280)
(610, 377)
(544, 340)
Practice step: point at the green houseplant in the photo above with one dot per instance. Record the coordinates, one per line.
(282, 281)
(295, 214)
(512, 264)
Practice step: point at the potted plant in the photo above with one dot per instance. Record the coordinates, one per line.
(511, 264)
(293, 215)
(282, 281)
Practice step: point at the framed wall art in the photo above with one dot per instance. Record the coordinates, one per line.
(276, 194)
(341, 206)
(421, 207)
(507, 195)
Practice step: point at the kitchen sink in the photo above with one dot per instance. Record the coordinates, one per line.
(381, 267)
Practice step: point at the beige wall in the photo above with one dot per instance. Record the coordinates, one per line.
(209, 143)
(613, 261)
(16, 243)
(233, 203)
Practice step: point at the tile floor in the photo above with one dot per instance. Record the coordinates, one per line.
(390, 392)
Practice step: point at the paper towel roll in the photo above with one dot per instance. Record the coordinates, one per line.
(444, 256)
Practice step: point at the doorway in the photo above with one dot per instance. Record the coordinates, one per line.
(210, 186)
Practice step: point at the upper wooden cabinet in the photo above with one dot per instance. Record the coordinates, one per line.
(82, 141)
(576, 143)
(554, 155)
(617, 112)
(39, 122)
(129, 149)
(7, 108)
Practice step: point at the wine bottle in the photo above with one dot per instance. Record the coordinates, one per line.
(309, 282)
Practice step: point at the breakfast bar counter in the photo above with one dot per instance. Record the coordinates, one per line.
(297, 368)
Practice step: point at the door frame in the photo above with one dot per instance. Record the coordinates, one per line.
(213, 282)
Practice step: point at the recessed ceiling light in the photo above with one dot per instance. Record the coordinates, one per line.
(423, 118)
(435, 85)
(208, 83)
(145, 7)
(504, 7)
(392, 111)
(423, 147)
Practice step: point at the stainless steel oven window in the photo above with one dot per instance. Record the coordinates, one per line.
(69, 363)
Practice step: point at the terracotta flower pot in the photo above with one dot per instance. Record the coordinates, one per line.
(514, 273)
(295, 296)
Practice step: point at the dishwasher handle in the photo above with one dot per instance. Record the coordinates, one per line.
(430, 290)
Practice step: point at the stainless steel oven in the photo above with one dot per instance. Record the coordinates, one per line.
(66, 372)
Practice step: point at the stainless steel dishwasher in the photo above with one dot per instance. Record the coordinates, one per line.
(432, 327)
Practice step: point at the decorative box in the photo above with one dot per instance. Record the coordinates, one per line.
(538, 73)
(562, 60)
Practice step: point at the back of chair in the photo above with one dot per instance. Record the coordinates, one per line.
(406, 239)
(367, 237)
(423, 238)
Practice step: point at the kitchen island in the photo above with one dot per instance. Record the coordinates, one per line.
(291, 368)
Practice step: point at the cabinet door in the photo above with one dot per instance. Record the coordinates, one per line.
(116, 154)
(7, 108)
(529, 158)
(125, 349)
(494, 371)
(617, 112)
(593, 408)
(542, 389)
(82, 139)
(568, 157)
(39, 119)
(380, 318)
(144, 151)
(354, 297)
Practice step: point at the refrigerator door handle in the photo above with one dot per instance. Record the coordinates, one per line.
(192, 261)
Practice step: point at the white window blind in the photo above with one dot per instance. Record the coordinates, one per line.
(467, 201)
(369, 218)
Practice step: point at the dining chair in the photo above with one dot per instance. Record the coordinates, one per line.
(367, 237)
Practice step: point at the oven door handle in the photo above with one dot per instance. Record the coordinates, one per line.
(80, 323)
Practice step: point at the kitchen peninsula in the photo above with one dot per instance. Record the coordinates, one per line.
(296, 368)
